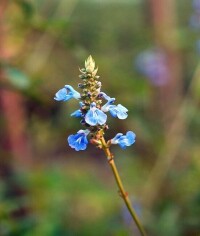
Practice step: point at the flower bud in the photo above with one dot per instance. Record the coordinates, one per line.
(80, 85)
(95, 72)
(89, 64)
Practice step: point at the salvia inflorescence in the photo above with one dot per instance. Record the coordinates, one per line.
(93, 108)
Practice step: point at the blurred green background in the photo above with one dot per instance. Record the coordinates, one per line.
(147, 52)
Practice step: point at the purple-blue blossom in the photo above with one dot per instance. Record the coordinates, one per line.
(124, 140)
(79, 141)
(66, 94)
(196, 5)
(194, 21)
(95, 116)
(153, 65)
(116, 111)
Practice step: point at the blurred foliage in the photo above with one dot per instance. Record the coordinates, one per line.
(17, 78)
(66, 193)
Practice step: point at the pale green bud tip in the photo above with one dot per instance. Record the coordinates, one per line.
(90, 64)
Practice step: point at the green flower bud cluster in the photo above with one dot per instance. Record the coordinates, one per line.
(90, 85)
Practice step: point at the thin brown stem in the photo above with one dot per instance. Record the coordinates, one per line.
(123, 193)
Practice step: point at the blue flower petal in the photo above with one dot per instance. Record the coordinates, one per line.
(124, 140)
(118, 111)
(62, 95)
(91, 118)
(79, 141)
(113, 111)
(73, 92)
(106, 107)
(77, 113)
(131, 137)
(66, 93)
(105, 96)
(116, 138)
(122, 115)
(95, 116)
(122, 108)
(101, 117)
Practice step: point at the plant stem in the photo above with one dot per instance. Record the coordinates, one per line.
(123, 193)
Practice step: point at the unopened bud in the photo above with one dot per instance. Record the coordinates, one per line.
(90, 64)
(95, 72)
(80, 85)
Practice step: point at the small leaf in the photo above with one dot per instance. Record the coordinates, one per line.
(17, 78)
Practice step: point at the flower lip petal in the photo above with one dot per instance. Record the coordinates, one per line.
(95, 116)
(122, 108)
(90, 118)
(122, 115)
(102, 117)
(79, 140)
(131, 136)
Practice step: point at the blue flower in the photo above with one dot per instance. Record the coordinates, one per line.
(116, 111)
(106, 107)
(105, 96)
(79, 141)
(153, 64)
(196, 5)
(194, 21)
(67, 93)
(95, 116)
(124, 140)
(78, 113)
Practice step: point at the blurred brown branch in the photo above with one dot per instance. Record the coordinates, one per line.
(168, 97)
(12, 103)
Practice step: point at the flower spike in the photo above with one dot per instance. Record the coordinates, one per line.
(93, 118)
